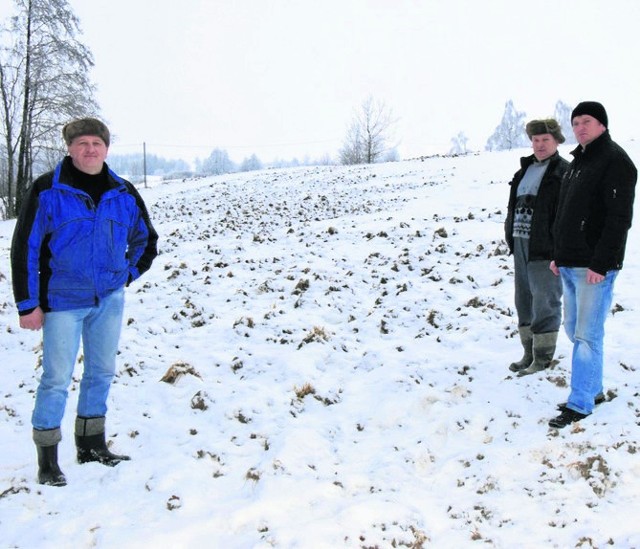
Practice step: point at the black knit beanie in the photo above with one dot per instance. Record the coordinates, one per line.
(548, 125)
(85, 126)
(592, 108)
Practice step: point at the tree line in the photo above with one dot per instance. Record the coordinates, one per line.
(44, 82)
(510, 133)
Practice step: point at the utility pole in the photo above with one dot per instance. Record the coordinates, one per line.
(144, 162)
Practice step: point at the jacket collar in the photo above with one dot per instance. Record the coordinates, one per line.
(63, 174)
(526, 161)
(594, 147)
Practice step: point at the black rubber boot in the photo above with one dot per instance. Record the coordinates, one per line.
(91, 443)
(46, 441)
(49, 472)
(544, 347)
(526, 338)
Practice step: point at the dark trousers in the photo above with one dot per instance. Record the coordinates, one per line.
(538, 292)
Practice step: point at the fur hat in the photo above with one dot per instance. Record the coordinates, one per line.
(592, 108)
(85, 126)
(549, 125)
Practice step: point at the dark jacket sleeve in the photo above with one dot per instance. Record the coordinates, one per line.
(28, 236)
(508, 222)
(617, 195)
(143, 239)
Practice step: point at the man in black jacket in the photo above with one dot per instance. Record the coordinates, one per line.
(530, 214)
(590, 234)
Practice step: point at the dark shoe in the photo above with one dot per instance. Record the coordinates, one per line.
(49, 472)
(94, 448)
(600, 398)
(567, 417)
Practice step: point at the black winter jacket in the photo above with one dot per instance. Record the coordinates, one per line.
(595, 208)
(540, 239)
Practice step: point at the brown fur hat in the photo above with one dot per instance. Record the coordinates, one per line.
(548, 125)
(85, 126)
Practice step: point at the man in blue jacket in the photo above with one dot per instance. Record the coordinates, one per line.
(590, 235)
(83, 234)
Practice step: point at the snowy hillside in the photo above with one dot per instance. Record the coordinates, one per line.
(319, 358)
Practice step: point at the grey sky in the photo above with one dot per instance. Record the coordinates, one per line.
(281, 78)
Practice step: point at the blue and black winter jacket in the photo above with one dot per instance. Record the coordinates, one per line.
(67, 253)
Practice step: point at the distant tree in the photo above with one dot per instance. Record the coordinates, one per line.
(368, 133)
(127, 165)
(562, 114)
(250, 164)
(4, 185)
(391, 155)
(510, 133)
(217, 163)
(459, 144)
(352, 151)
(325, 160)
(282, 163)
(43, 83)
(133, 165)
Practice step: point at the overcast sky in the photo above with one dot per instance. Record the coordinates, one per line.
(282, 78)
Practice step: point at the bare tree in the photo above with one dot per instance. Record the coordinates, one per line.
(44, 83)
(9, 117)
(250, 163)
(352, 151)
(459, 144)
(510, 134)
(562, 114)
(368, 133)
(217, 163)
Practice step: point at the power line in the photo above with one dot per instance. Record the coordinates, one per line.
(219, 146)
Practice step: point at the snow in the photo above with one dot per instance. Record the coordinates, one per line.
(335, 344)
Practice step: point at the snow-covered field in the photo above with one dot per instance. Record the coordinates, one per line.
(318, 358)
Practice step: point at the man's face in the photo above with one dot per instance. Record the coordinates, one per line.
(544, 146)
(586, 128)
(88, 153)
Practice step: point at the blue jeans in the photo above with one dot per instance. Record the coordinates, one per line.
(586, 307)
(100, 328)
